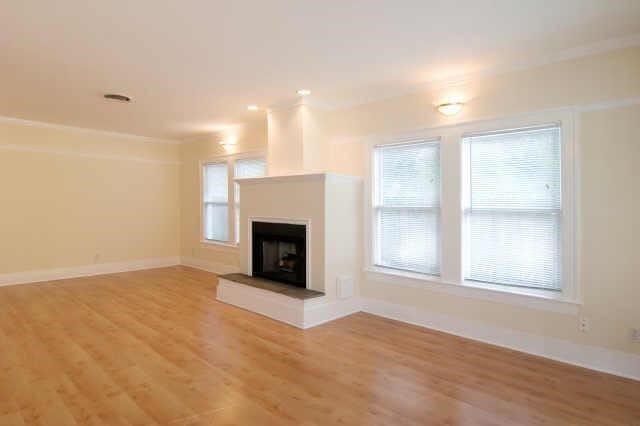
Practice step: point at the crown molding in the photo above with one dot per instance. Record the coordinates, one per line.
(42, 124)
(289, 103)
(68, 153)
(632, 40)
(566, 109)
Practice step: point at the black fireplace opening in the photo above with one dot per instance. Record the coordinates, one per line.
(279, 252)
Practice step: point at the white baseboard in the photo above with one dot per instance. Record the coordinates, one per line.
(593, 357)
(319, 311)
(327, 311)
(206, 265)
(85, 270)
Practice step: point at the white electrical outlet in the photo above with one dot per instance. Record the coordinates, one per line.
(96, 258)
(584, 324)
(635, 334)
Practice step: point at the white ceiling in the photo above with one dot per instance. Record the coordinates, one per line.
(193, 66)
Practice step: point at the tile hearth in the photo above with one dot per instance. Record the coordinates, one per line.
(273, 286)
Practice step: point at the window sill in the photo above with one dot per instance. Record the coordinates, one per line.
(214, 243)
(530, 298)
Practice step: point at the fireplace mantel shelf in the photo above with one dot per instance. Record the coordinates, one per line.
(294, 177)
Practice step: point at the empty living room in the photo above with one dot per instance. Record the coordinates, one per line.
(297, 212)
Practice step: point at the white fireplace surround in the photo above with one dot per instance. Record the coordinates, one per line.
(329, 206)
(307, 225)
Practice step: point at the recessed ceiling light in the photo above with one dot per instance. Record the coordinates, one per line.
(117, 97)
(450, 108)
(252, 107)
(304, 92)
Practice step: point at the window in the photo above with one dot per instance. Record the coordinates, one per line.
(249, 167)
(513, 207)
(406, 204)
(216, 202)
(218, 196)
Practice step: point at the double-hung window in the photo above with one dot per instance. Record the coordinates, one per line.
(245, 168)
(215, 200)
(221, 196)
(406, 207)
(513, 211)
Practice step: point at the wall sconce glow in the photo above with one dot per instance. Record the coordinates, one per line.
(228, 144)
(304, 92)
(450, 108)
(252, 107)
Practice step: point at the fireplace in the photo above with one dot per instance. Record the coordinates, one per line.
(279, 252)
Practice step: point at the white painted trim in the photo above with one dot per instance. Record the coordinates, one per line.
(528, 298)
(610, 104)
(235, 156)
(219, 244)
(267, 303)
(40, 275)
(209, 266)
(295, 178)
(461, 121)
(452, 280)
(494, 71)
(298, 313)
(68, 153)
(328, 311)
(282, 178)
(593, 357)
(317, 311)
(229, 160)
(293, 102)
(42, 124)
(307, 227)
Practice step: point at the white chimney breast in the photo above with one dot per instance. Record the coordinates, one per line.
(295, 139)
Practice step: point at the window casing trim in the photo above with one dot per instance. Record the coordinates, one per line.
(452, 212)
(375, 206)
(467, 142)
(230, 160)
(530, 298)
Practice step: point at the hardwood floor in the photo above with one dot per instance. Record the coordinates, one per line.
(154, 347)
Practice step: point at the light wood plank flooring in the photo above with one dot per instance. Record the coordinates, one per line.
(155, 347)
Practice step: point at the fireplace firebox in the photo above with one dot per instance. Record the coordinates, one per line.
(279, 252)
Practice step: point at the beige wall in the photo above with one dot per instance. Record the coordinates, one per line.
(89, 183)
(250, 138)
(609, 152)
(67, 197)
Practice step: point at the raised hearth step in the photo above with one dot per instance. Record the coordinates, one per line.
(273, 286)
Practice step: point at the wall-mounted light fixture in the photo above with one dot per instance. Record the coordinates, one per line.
(450, 108)
(228, 143)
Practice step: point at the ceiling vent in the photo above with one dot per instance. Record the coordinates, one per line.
(116, 97)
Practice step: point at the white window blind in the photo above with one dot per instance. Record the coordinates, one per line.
(216, 202)
(247, 167)
(513, 211)
(407, 207)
